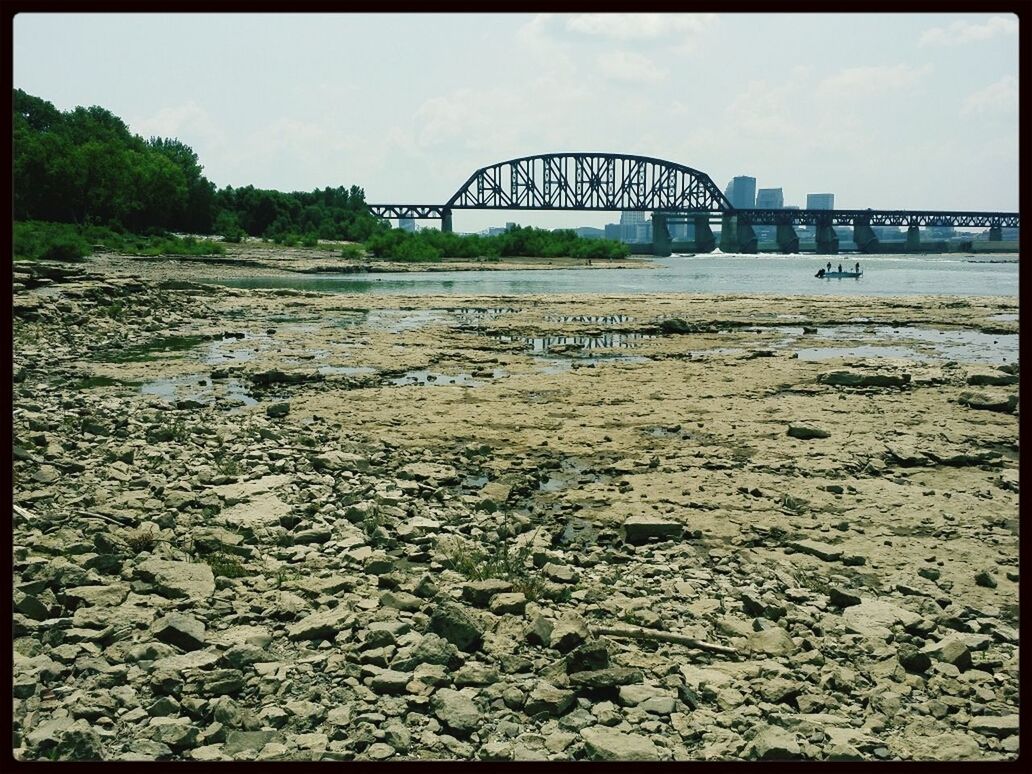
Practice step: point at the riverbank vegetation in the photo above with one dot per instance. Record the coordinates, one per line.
(432, 245)
(82, 179)
(35, 240)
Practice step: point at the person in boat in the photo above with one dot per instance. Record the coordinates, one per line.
(840, 268)
(820, 272)
(858, 268)
(829, 265)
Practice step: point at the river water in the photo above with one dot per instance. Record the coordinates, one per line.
(884, 275)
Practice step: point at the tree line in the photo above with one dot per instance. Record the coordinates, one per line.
(81, 177)
(85, 167)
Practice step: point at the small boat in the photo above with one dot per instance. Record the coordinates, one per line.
(823, 274)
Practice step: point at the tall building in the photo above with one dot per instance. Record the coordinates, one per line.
(770, 199)
(407, 224)
(820, 201)
(741, 191)
(631, 218)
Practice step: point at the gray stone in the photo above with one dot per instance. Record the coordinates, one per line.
(607, 744)
(875, 618)
(912, 659)
(848, 378)
(602, 679)
(514, 603)
(546, 698)
(277, 409)
(249, 741)
(475, 673)
(401, 600)
(431, 649)
(177, 733)
(457, 626)
(986, 402)
(220, 682)
(641, 528)
(950, 650)
(807, 432)
(568, 632)
(773, 641)
(1000, 726)
(825, 551)
(456, 710)
(324, 625)
(842, 598)
(985, 579)
(588, 657)
(390, 682)
(772, 743)
(183, 631)
(540, 631)
(193, 580)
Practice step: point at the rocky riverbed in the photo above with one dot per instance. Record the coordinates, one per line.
(281, 525)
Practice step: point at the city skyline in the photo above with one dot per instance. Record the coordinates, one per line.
(806, 102)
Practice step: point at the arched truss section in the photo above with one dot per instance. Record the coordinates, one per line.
(589, 181)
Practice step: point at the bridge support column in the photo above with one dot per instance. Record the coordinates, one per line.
(661, 241)
(446, 224)
(736, 235)
(705, 242)
(788, 240)
(913, 239)
(864, 237)
(996, 233)
(827, 239)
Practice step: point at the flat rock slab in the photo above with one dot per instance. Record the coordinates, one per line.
(848, 378)
(245, 490)
(606, 744)
(640, 529)
(430, 471)
(193, 580)
(263, 511)
(1000, 726)
(875, 618)
(183, 631)
(326, 624)
(825, 551)
(807, 432)
(456, 710)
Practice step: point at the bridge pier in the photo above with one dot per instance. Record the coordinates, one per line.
(737, 235)
(996, 233)
(788, 239)
(826, 238)
(661, 241)
(913, 239)
(864, 237)
(446, 221)
(705, 242)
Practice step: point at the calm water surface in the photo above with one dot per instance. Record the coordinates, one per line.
(884, 275)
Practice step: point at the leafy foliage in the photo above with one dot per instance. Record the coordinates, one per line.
(432, 245)
(85, 167)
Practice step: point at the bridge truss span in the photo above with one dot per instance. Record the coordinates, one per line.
(589, 181)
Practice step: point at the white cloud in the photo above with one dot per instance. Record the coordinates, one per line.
(629, 67)
(765, 109)
(186, 120)
(640, 26)
(966, 31)
(999, 97)
(872, 80)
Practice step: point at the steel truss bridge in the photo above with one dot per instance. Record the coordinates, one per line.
(672, 192)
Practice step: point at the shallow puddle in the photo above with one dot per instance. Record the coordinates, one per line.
(198, 388)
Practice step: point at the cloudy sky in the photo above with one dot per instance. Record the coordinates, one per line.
(886, 111)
